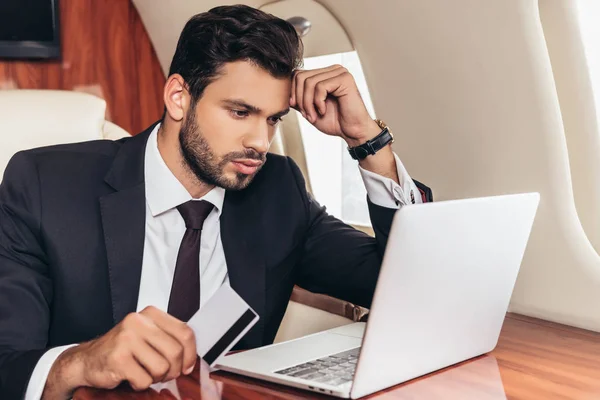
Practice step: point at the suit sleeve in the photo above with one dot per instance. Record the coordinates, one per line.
(25, 283)
(339, 260)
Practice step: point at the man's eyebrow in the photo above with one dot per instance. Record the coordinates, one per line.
(242, 104)
(251, 108)
(281, 113)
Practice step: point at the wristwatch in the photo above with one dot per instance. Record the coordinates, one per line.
(374, 145)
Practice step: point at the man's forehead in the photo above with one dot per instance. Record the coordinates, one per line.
(252, 85)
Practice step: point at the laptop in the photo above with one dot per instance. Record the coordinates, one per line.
(443, 291)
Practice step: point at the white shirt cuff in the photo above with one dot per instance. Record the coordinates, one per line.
(37, 382)
(385, 192)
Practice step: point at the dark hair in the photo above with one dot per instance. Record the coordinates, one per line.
(233, 33)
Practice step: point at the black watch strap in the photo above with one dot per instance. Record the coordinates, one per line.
(372, 146)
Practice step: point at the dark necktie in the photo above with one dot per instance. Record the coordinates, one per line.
(184, 299)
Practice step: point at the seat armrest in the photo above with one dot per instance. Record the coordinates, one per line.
(329, 304)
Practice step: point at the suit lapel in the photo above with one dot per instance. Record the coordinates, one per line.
(240, 227)
(123, 221)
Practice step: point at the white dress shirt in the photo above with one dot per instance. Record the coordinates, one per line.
(165, 229)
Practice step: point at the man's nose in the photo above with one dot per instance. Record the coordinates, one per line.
(258, 139)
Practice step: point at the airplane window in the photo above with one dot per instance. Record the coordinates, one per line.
(589, 13)
(334, 175)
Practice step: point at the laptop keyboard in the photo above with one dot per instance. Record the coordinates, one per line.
(334, 370)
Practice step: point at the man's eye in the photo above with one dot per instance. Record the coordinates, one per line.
(239, 113)
(275, 120)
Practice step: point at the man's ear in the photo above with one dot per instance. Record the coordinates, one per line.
(176, 97)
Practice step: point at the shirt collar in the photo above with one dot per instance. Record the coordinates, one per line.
(163, 190)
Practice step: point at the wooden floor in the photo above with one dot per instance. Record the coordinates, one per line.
(534, 359)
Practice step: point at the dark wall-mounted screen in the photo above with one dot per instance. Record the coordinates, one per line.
(29, 29)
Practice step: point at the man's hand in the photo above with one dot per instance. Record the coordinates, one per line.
(329, 99)
(145, 348)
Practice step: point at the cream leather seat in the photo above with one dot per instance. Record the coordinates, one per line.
(35, 118)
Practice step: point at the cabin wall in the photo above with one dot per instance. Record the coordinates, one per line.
(469, 91)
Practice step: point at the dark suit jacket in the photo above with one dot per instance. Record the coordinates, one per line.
(72, 221)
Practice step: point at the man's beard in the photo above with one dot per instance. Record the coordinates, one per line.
(203, 162)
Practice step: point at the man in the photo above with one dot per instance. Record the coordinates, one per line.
(107, 248)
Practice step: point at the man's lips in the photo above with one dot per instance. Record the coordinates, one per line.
(248, 162)
(247, 166)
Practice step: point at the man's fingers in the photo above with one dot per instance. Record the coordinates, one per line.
(170, 348)
(136, 375)
(157, 366)
(179, 331)
(298, 84)
(167, 346)
(304, 74)
(313, 97)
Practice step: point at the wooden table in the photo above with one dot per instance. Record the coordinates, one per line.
(534, 359)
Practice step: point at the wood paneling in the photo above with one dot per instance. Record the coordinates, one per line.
(534, 359)
(105, 51)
